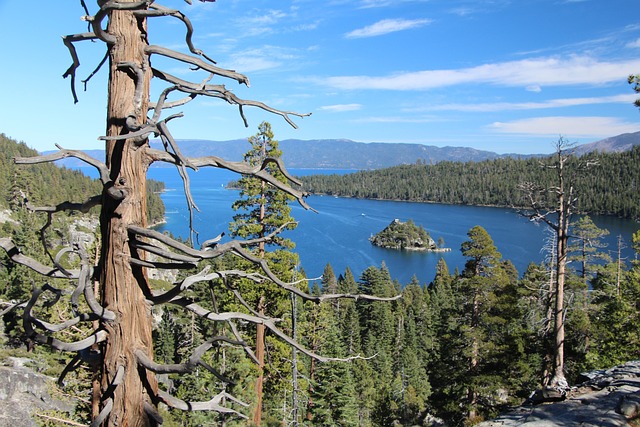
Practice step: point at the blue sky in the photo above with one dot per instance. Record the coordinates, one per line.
(498, 75)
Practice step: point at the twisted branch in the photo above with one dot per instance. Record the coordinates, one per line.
(215, 404)
(16, 256)
(267, 322)
(103, 170)
(221, 92)
(237, 247)
(259, 171)
(28, 320)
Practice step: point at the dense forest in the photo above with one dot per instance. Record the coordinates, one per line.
(47, 184)
(610, 187)
(409, 359)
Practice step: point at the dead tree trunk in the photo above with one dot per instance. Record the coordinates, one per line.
(562, 241)
(125, 390)
(562, 207)
(123, 285)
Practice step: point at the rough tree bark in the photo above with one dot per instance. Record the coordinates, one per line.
(124, 286)
(126, 392)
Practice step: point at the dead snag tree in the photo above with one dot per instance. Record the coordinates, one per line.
(126, 392)
(556, 212)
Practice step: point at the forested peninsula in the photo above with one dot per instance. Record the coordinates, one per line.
(608, 187)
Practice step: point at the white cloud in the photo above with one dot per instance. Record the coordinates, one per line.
(400, 119)
(341, 107)
(368, 4)
(634, 44)
(534, 88)
(571, 127)
(552, 103)
(550, 71)
(270, 17)
(387, 26)
(262, 58)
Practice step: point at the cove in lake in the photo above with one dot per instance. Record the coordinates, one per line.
(339, 233)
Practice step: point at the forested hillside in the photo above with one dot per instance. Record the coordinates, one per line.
(459, 349)
(47, 184)
(608, 187)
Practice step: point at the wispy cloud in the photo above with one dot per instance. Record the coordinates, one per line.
(634, 44)
(549, 71)
(338, 108)
(262, 58)
(387, 26)
(571, 127)
(401, 119)
(511, 106)
(367, 4)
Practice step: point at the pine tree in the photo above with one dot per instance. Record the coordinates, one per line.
(263, 210)
(333, 393)
(615, 321)
(587, 240)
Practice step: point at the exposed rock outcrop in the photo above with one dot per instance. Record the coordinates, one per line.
(605, 398)
(24, 392)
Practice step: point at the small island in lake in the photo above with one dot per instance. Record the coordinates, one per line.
(407, 236)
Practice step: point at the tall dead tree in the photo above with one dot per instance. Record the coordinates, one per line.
(126, 392)
(557, 215)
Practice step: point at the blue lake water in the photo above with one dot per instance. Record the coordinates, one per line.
(338, 233)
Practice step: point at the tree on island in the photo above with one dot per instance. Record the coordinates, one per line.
(117, 319)
(405, 235)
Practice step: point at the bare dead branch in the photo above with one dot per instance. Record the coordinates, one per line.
(71, 71)
(236, 246)
(194, 360)
(117, 194)
(188, 59)
(59, 420)
(163, 252)
(221, 92)
(50, 327)
(28, 320)
(157, 10)
(139, 89)
(267, 322)
(104, 413)
(185, 284)
(71, 366)
(258, 171)
(105, 8)
(68, 206)
(95, 70)
(96, 308)
(246, 348)
(12, 306)
(162, 265)
(16, 256)
(153, 413)
(50, 210)
(215, 404)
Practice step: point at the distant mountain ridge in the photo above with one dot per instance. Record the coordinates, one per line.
(615, 144)
(324, 153)
(347, 154)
